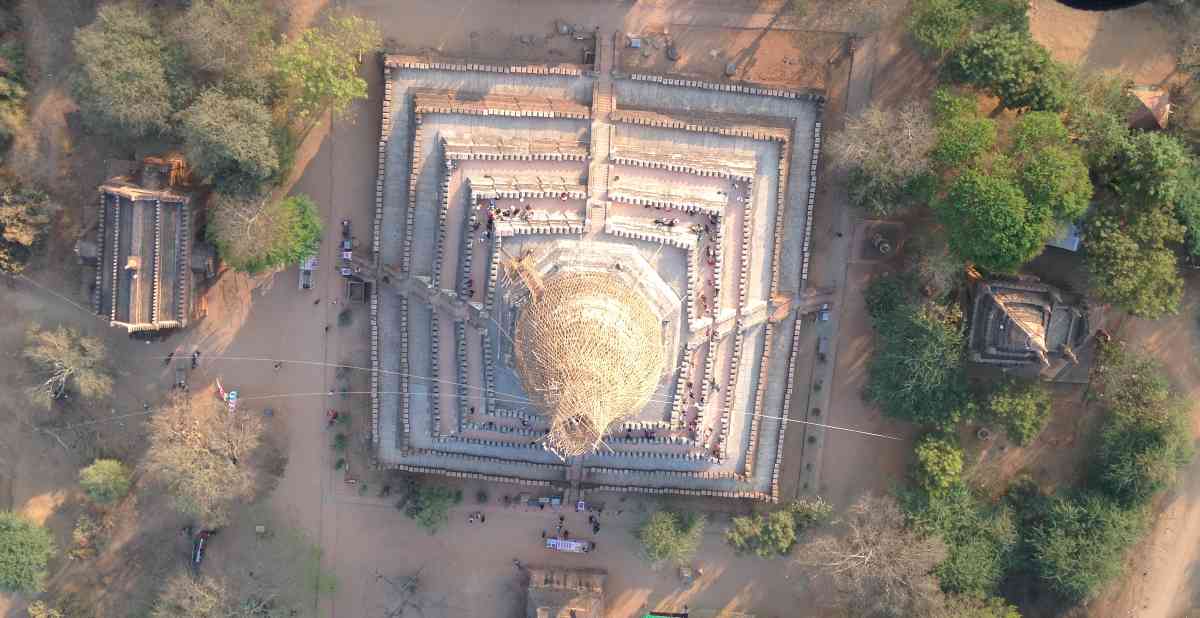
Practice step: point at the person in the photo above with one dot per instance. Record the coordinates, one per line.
(167, 360)
(278, 364)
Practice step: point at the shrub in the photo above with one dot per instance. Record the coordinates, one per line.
(1021, 408)
(25, 550)
(340, 442)
(85, 538)
(670, 537)
(766, 535)
(429, 505)
(106, 480)
(939, 462)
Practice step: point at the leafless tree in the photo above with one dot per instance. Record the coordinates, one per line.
(877, 563)
(884, 149)
(197, 448)
(66, 360)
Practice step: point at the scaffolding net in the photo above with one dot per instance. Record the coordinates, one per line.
(589, 353)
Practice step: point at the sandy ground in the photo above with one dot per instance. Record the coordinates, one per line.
(1138, 41)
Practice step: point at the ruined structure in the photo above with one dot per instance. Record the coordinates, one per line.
(1018, 323)
(143, 249)
(589, 275)
(565, 593)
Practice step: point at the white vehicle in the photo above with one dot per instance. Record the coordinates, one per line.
(575, 547)
(307, 268)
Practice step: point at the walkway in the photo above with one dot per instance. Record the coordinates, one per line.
(602, 105)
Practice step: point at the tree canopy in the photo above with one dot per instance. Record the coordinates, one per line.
(666, 536)
(255, 234)
(1130, 264)
(429, 505)
(1021, 408)
(230, 42)
(963, 136)
(1079, 543)
(66, 363)
(981, 537)
(1007, 63)
(989, 222)
(916, 372)
(123, 82)
(1146, 435)
(25, 550)
(228, 140)
(320, 66)
(106, 480)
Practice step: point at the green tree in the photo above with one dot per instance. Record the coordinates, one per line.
(1156, 167)
(963, 136)
(1129, 264)
(981, 538)
(430, 505)
(1097, 116)
(254, 234)
(939, 26)
(229, 141)
(989, 222)
(66, 363)
(1050, 169)
(916, 372)
(229, 40)
(1187, 210)
(1079, 543)
(886, 153)
(1055, 180)
(670, 537)
(939, 462)
(24, 220)
(1022, 408)
(1010, 65)
(765, 535)
(123, 82)
(25, 549)
(320, 66)
(106, 480)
